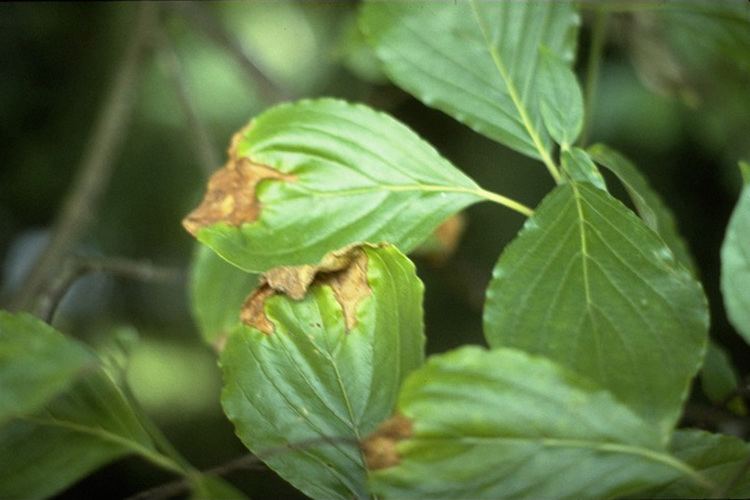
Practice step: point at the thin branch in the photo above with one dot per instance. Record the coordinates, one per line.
(598, 37)
(204, 146)
(76, 267)
(97, 165)
(245, 462)
(203, 19)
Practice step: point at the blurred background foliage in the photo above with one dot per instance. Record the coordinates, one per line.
(673, 94)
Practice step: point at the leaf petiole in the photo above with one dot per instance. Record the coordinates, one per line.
(506, 202)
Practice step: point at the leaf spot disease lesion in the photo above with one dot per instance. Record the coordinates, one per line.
(231, 194)
(380, 447)
(344, 271)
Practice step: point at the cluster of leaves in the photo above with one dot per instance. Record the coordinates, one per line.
(595, 320)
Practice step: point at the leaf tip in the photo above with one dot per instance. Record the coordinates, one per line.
(231, 194)
(379, 448)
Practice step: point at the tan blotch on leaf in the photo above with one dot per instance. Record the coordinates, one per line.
(230, 197)
(379, 448)
(345, 271)
(253, 310)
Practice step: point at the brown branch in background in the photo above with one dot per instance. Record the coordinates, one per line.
(203, 19)
(77, 267)
(97, 165)
(204, 146)
(245, 462)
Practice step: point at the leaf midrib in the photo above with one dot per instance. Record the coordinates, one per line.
(480, 193)
(300, 414)
(600, 446)
(107, 436)
(513, 93)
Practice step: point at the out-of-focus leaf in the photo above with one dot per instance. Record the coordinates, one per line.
(719, 458)
(477, 61)
(648, 203)
(174, 377)
(357, 56)
(88, 426)
(674, 48)
(590, 286)
(735, 266)
(115, 350)
(502, 424)
(561, 99)
(656, 63)
(718, 377)
(36, 363)
(217, 291)
(310, 177)
(289, 41)
(442, 243)
(710, 32)
(323, 371)
(579, 167)
(745, 171)
(214, 488)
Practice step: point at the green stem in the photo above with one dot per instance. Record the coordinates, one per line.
(598, 32)
(506, 202)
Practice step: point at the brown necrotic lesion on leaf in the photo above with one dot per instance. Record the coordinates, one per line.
(344, 271)
(253, 312)
(380, 447)
(231, 194)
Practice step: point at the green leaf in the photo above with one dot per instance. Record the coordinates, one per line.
(561, 99)
(323, 371)
(718, 377)
(579, 167)
(356, 55)
(90, 425)
(745, 171)
(217, 291)
(477, 61)
(588, 285)
(735, 266)
(503, 424)
(717, 457)
(648, 203)
(36, 363)
(207, 487)
(328, 174)
(709, 32)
